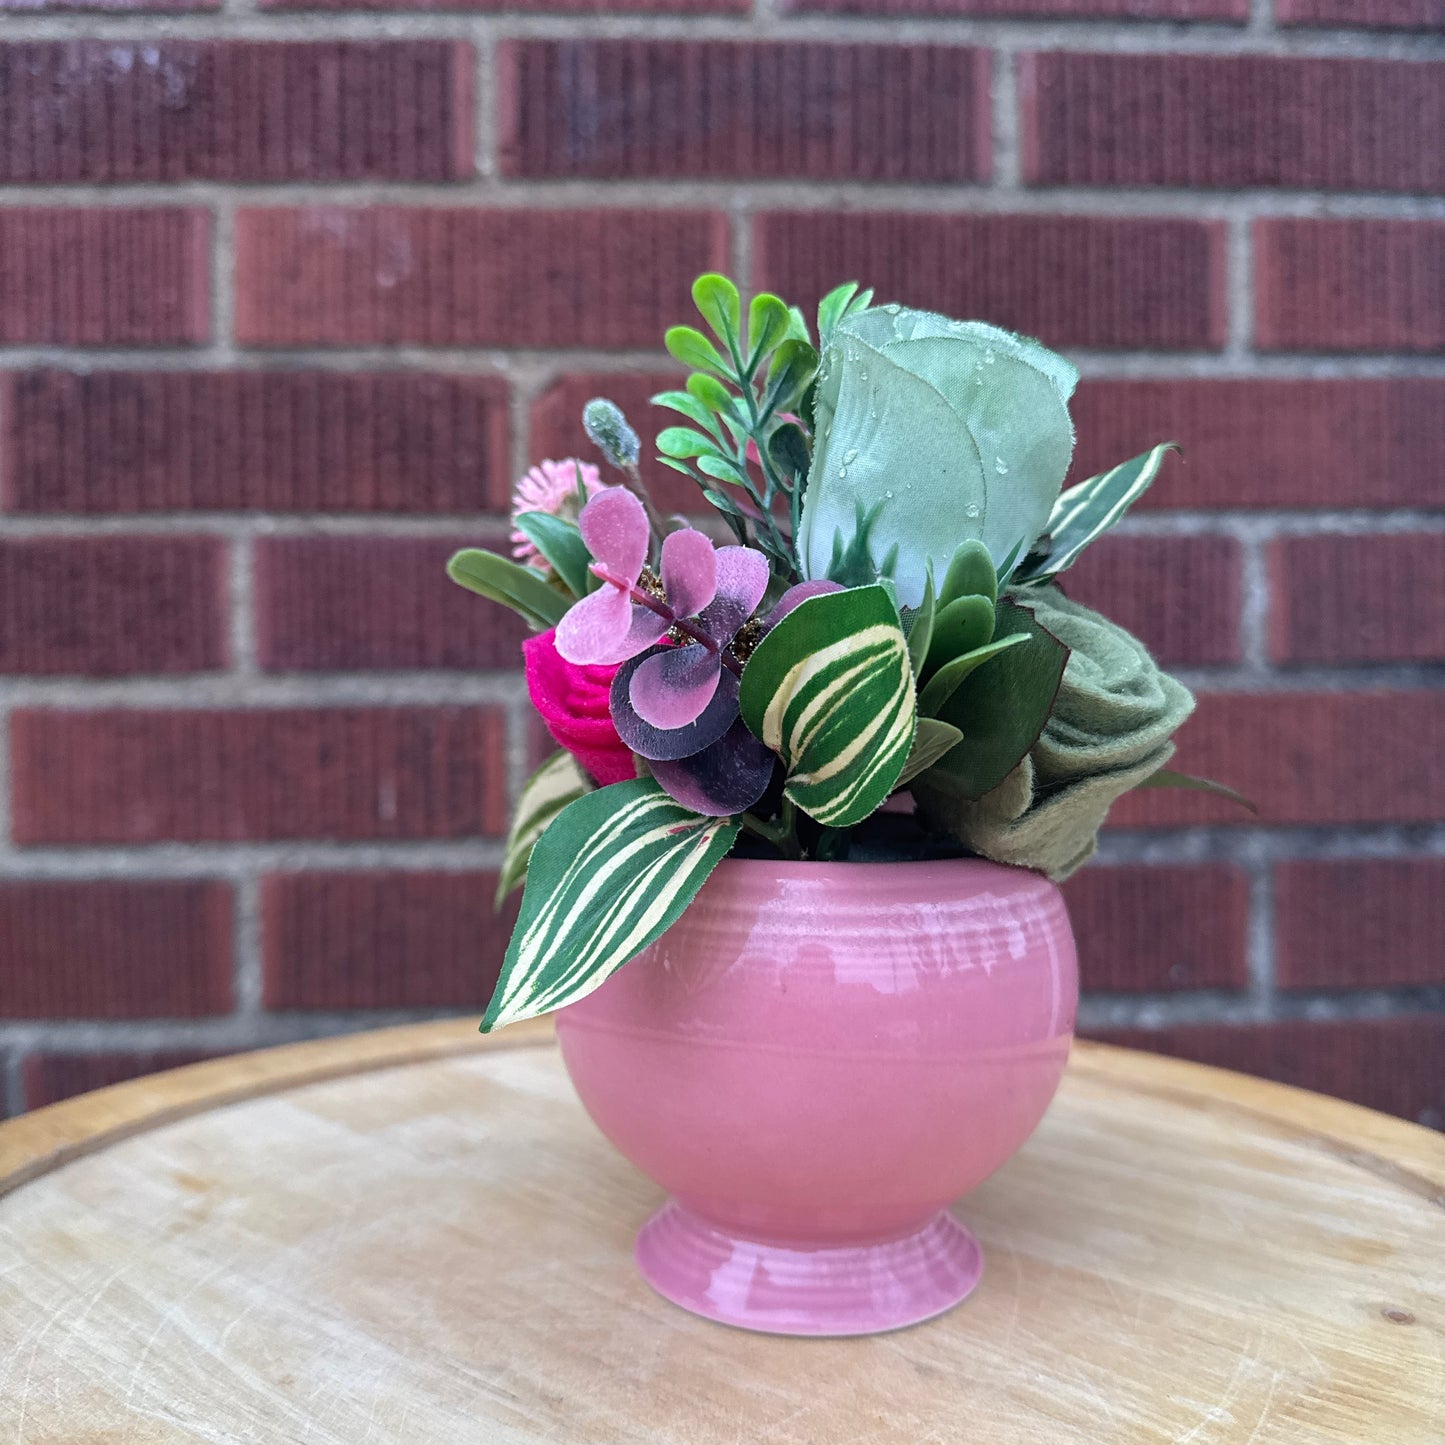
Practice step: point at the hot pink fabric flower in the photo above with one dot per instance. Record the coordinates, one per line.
(550, 487)
(573, 702)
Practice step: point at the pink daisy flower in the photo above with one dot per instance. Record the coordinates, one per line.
(550, 487)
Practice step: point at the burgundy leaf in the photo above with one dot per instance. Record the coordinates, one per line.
(666, 744)
(672, 687)
(742, 578)
(800, 593)
(728, 776)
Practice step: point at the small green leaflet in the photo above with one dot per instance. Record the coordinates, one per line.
(949, 678)
(830, 689)
(499, 579)
(1090, 509)
(613, 872)
(556, 783)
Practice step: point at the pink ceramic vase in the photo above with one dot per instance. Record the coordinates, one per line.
(814, 1062)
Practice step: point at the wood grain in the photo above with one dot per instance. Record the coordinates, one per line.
(417, 1236)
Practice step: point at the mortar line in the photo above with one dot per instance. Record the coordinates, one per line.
(12, 1078)
(1142, 37)
(1260, 938)
(240, 596)
(1006, 170)
(486, 101)
(1239, 287)
(1255, 601)
(247, 964)
(223, 280)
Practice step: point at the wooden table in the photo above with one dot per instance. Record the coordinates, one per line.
(416, 1236)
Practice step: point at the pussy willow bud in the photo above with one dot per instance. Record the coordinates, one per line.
(610, 433)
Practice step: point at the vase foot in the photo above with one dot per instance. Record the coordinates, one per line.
(858, 1289)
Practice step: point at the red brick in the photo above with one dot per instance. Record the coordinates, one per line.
(130, 776)
(1180, 595)
(555, 427)
(335, 603)
(1395, 1064)
(177, 110)
(744, 109)
(101, 948)
(332, 275)
(1373, 14)
(1143, 929)
(1273, 443)
(114, 276)
(382, 940)
(1071, 280)
(1349, 285)
(1231, 120)
(1360, 923)
(1349, 599)
(50, 1077)
(109, 605)
(1307, 758)
(1237, 10)
(277, 441)
(528, 7)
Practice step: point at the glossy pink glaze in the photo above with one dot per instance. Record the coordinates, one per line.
(814, 1062)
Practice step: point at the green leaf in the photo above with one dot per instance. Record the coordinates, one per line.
(920, 632)
(932, 740)
(788, 447)
(948, 679)
(829, 689)
(832, 308)
(798, 325)
(559, 541)
(795, 363)
(1168, 778)
(1006, 567)
(501, 580)
(614, 871)
(1001, 709)
(768, 323)
(724, 469)
(682, 441)
(693, 349)
(1089, 509)
(717, 299)
(970, 574)
(556, 783)
(710, 392)
(685, 403)
(961, 428)
(960, 627)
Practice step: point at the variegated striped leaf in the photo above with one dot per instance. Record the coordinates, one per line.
(830, 690)
(614, 871)
(556, 783)
(1088, 510)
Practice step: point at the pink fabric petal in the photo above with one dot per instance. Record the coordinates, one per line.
(742, 578)
(689, 571)
(596, 630)
(614, 527)
(672, 689)
(575, 704)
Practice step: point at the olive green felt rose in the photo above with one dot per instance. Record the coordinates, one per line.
(1109, 731)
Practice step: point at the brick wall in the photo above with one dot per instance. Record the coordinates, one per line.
(290, 291)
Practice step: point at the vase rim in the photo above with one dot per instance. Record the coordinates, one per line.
(816, 869)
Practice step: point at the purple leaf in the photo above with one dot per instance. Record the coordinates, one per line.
(689, 571)
(666, 744)
(607, 627)
(614, 527)
(801, 593)
(742, 578)
(672, 687)
(728, 776)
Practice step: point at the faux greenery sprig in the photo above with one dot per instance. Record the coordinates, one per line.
(887, 620)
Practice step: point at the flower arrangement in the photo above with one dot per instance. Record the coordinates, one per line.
(881, 620)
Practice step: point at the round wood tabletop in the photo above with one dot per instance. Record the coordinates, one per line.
(417, 1236)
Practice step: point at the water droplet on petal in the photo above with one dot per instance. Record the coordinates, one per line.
(988, 358)
(971, 511)
(888, 495)
(842, 473)
(893, 309)
(1000, 466)
(849, 456)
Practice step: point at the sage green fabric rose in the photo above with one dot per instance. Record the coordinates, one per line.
(1109, 731)
(953, 429)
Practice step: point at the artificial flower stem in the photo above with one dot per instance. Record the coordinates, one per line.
(639, 489)
(688, 629)
(779, 834)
